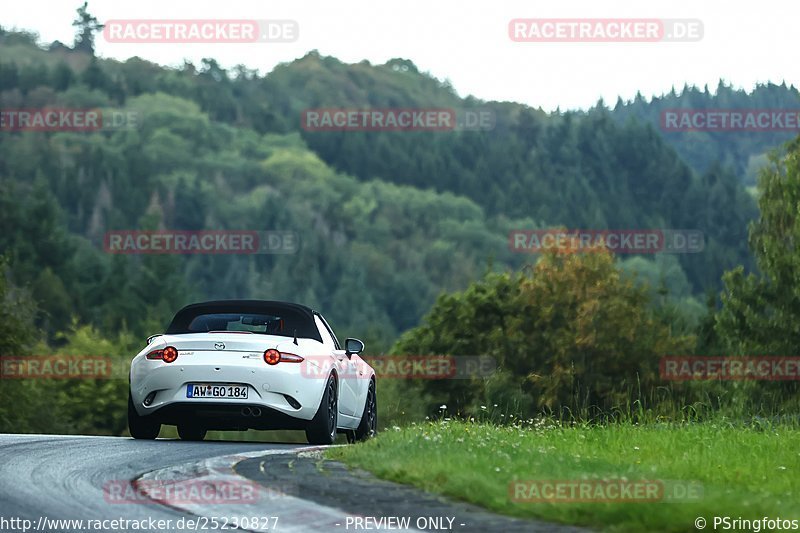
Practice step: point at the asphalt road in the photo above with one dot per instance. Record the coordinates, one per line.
(357, 492)
(62, 477)
(44, 478)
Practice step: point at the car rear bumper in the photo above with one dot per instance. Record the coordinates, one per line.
(231, 417)
(270, 388)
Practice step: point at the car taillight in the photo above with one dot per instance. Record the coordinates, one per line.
(273, 357)
(170, 354)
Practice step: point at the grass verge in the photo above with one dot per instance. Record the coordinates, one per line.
(706, 469)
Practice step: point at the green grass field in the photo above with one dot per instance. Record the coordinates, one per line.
(727, 470)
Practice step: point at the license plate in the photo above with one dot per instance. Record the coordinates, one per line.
(208, 390)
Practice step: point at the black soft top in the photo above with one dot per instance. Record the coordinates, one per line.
(298, 317)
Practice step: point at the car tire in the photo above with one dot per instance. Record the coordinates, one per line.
(191, 432)
(141, 427)
(368, 427)
(322, 428)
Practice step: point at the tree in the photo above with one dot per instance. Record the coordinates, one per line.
(62, 77)
(573, 333)
(17, 334)
(760, 313)
(17, 312)
(86, 26)
(94, 76)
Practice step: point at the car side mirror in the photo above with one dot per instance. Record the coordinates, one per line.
(352, 346)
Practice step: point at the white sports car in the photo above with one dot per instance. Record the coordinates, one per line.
(251, 364)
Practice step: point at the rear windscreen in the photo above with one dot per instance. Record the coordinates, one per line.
(269, 320)
(254, 323)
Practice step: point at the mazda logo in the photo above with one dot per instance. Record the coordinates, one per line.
(219, 345)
